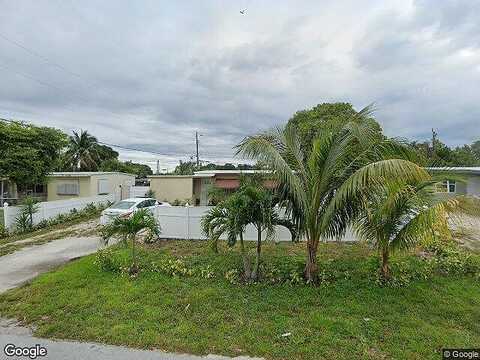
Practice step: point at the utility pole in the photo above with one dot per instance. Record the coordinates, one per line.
(196, 143)
(434, 139)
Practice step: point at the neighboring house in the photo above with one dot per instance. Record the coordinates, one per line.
(195, 188)
(67, 185)
(467, 184)
(172, 187)
(12, 193)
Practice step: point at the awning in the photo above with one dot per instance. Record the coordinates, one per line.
(227, 183)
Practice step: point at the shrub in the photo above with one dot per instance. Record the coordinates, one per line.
(150, 194)
(105, 261)
(3, 232)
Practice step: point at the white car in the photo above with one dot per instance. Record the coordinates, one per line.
(127, 207)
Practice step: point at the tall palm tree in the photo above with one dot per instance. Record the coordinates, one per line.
(128, 228)
(308, 180)
(398, 214)
(82, 151)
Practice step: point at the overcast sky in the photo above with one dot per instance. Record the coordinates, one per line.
(147, 74)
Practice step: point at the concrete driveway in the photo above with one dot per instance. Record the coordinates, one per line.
(25, 264)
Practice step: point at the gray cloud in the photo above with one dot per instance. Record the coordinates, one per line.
(147, 74)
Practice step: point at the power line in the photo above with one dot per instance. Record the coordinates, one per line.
(45, 59)
(122, 146)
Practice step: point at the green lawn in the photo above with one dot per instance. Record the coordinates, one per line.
(349, 317)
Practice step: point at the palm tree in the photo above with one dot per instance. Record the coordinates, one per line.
(229, 217)
(82, 151)
(398, 214)
(129, 227)
(250, 204)
(308, 180)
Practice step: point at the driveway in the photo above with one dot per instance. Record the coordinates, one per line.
(25, 264)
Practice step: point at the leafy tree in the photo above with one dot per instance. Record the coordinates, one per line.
(140, 170)
(309, 179)
(322, 119)
(106, 153)
(128, 227)
(28, 153)
(82, 153)
(399, 214)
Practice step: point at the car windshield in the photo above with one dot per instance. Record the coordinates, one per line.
(122, 205)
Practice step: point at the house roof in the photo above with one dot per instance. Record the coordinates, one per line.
(211, 173)
(168, 176)
(460, 169)
(86, 173)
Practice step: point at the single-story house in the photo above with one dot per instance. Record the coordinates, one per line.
(195, 188)
(467, 184)
(67, 185)
(12, 193)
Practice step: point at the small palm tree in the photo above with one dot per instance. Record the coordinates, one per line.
(129, 227)
(398, 214)
(250, 204)
(309, 180)
(229, 217)
(82, 151)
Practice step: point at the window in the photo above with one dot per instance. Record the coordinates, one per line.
(70, 188)
(447, 186)
(103, 187)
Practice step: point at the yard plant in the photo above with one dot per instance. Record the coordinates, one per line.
(309, 177)
(128, 227)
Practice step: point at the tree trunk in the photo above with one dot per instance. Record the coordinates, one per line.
(311, 268)
(256, 270)
(246, 261)
(133, 269)
(385, 269)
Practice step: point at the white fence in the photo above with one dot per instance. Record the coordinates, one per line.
(50, 209)
(179, 222)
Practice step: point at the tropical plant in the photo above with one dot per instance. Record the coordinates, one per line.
(250, 204)
(24, 220)
(399, 214)
(229, 217)
(128, 227)
(82, 152)
(309, 179)
(150, 193)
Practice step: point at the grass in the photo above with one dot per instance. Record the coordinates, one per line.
(348, 318)
(2, 219)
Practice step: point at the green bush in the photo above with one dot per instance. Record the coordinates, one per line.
(105, 260)
(3, 232)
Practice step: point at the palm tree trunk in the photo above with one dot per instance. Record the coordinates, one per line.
(256, 269)
(385, 269)
(134, 269)
(246, 262)
(311, 268)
